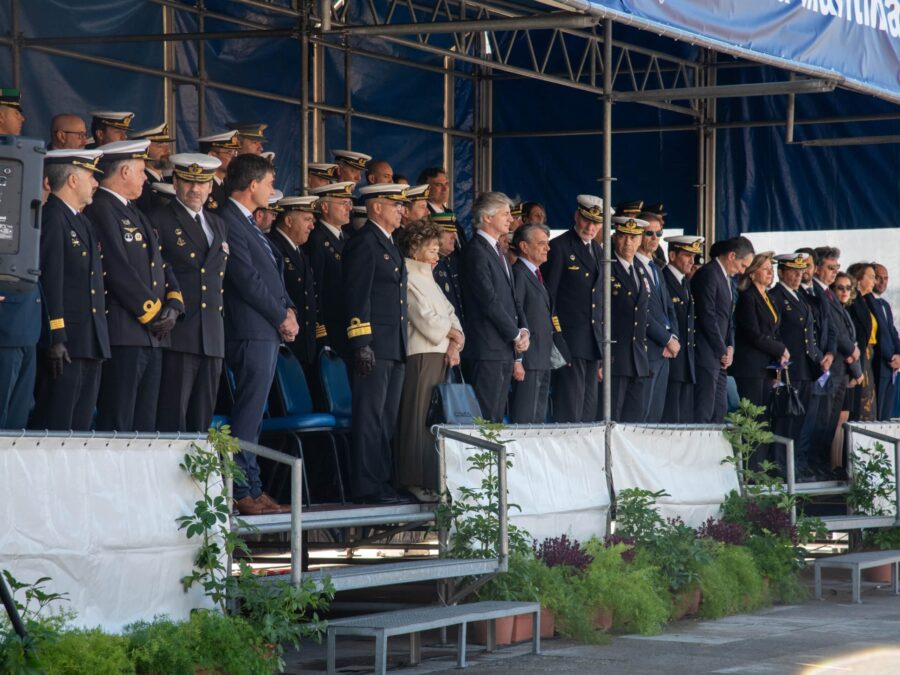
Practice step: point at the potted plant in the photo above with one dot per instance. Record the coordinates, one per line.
(872, 493)
(562, 558)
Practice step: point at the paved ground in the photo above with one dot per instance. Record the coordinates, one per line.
(785, 639)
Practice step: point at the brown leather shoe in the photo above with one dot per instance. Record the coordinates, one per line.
(273, 506)
(251, 506)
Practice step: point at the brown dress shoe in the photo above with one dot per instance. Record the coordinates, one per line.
(274, 507)
(251, 506)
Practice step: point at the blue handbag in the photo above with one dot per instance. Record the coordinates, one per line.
(453, 402)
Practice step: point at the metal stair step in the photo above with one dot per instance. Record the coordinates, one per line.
(821, 488)
(337, 518)
(351, 577)
(838, 523)
(427, 618)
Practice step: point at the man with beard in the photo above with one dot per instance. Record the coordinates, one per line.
(158, 167)
(194, 244)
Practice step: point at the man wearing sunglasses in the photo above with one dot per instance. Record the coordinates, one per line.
(662, 322)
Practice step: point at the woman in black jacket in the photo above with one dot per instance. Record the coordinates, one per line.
(864, 406)
(756, 343)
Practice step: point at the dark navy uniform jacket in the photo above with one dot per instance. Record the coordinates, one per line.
(375, 293)
(256, 301)
(629, 302)
(217, 196)
(138, 282)
(715, 307)
(681, 368)
(446, 275)
(325, 253)
(494, 315)
(72, 280)
(798, 333)
(575, 283)
(200, 270)
(301, 287)
(150, 199)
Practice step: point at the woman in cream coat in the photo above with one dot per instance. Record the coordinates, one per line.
(435, 341)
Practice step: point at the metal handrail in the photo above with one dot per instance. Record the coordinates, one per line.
(296, 466)
(441, 433)
(895, 441)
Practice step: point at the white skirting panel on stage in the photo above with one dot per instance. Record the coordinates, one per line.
(861, 441)
(97, 515)
(686, 463)
(558, 478)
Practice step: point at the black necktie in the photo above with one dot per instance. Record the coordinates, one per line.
(200, 225)
(634, 275)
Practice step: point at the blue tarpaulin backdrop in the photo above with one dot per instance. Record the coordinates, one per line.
(763, 184)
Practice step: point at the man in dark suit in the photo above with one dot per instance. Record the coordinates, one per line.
(663, 341)
(223, 147)
(496, 328)
(714, 302)
(531, 372)
(259, 315)
(325, 249)
(292, 229)
(143, 297)
(194, 245)
(842, 346)
(888, 346)
(446, 272)
(157, 167)
(630, 297)
(20, 313)
(375, 293)
(72, 281)
(798, 333)
(679, 408)
(574, 279)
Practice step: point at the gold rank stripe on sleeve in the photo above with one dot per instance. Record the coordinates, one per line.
(175, 295)
(57, 324)
(556, 326)
(151, 309)
(321, 332)
(357, 328)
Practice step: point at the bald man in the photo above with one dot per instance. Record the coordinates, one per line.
(67, 132)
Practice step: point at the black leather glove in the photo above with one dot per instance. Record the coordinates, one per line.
(163, 324)
(58, 357)
(364, 361)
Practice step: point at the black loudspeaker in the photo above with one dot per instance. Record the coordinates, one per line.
(21, 184)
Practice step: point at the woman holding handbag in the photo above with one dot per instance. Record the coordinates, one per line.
(435, 341)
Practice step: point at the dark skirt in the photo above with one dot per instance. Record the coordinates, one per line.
(865, 407)
(415, 455)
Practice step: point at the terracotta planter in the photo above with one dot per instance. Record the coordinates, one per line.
(523, 627)
(503, 632)
(548, 623)
(686, 603)
(603, 619)
(880, 574)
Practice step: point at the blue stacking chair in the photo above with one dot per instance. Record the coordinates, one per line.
(299, 418)
(336, 383)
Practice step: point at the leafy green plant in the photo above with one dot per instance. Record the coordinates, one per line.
(731, 582)
(161, 646)
(42, 624)
(637, 516)
(79, 651)
(473, 515)
(229, 644)
(872, 487)
(281, 612)
(635, 592)
(210, 466)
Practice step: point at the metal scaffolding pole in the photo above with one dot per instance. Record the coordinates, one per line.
(709, 215)
(607, 224)
(168, 66)
(15, 47)
(348, 96)
(201, 71)
(701, 153)
(304, 95)
(449, 119)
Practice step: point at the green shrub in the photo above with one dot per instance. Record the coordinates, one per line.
(731, 582)
(637, 592)
(160, 647)
(76, 652)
